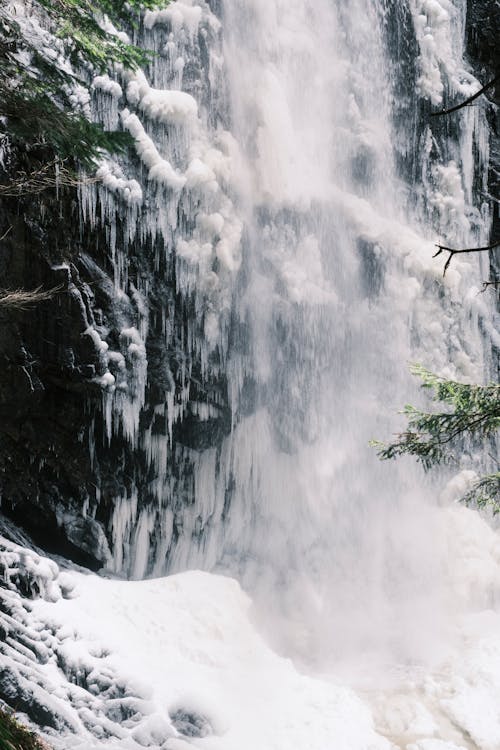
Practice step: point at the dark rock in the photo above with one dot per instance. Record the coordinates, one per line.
(18, 694)
(372, 268)
(190, 723)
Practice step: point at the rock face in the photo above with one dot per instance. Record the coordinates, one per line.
(58, 469)
(86, 375)
(484, 54)
(481, 39)
(47, 363)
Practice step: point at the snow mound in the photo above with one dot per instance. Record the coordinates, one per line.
(178, 662)
(197, 669)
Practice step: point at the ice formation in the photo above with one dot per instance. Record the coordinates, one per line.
(264, 186)
(210, 200)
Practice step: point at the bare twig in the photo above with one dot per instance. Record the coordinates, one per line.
(4, 235)
(452, 252)
(52, 175)
(23, 299)
(494, 283)
(468, 101)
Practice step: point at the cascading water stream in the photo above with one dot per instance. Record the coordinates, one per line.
(314, 521)
(271, 241)
(334, 298)
(300, 238)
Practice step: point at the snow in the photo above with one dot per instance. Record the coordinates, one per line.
(41, 573)
(165, 106)
(132, 664)
(199, 174)
(109, 28)
(107, 85)
(197, 649)
(129, 190)
(100, 345)
(106, 381)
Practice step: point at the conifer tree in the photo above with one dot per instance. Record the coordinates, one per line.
(38, 107)
(467, 415)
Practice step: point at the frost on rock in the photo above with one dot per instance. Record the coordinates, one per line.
(165, 198)
(60, 682)
(28, 572)
(68, 666)
(439, 28)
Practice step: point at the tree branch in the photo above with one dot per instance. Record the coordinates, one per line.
(22, 299)
(4, 235)
(494, 283)
(52, 175)
(452, 252)
(467, 101)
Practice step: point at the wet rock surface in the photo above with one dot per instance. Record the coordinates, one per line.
(483, 22)
(483, 18)
(59, 472)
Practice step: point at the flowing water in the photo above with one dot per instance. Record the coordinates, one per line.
(296, 187)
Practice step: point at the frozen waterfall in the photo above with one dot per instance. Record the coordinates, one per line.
(273, 232)
(289, 173)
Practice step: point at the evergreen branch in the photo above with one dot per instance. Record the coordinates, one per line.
(474, 413)
(36, 104)
(485, 493)
(80, 21)
(35, 119)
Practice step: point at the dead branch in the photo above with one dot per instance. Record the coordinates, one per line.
(54, 174)
(468, 101)
(4, 235)
(452, 252)
(23, 299)
(494, 283)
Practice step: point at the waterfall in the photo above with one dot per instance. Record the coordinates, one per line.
(263, 276)
(340, 294)
(289, 181)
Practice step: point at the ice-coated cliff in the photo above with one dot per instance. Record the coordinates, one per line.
(241, 295)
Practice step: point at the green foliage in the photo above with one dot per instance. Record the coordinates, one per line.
(35, 119)
(485, 493)
(37, 110)
(15, 737)
(77, 22)
(470, 412)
